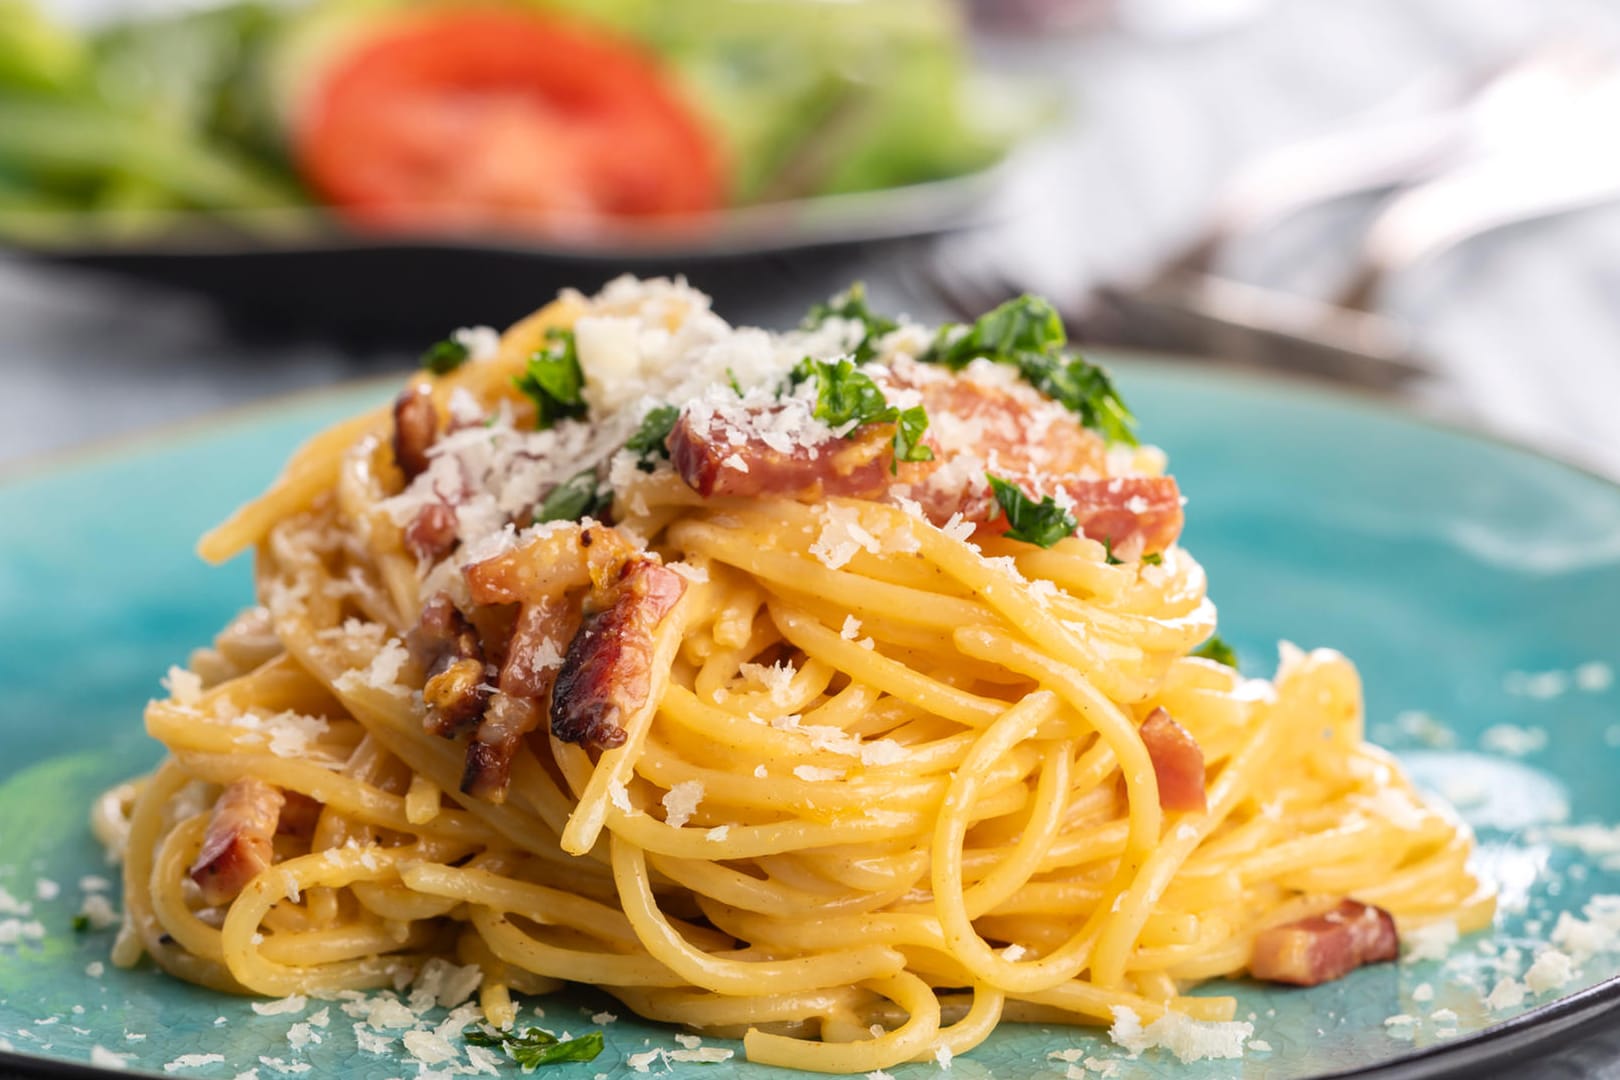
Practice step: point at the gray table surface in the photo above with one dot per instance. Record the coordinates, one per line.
(1523, 324)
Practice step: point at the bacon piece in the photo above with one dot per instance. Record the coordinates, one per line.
(237, 845)
(488, 767)
(1020, 438)
(416, 428)
(535, 655)
(1041, 450)
(299, 814)
(706, 458)
(1178, 762)
(566, 556)
(1137, 515)
(532, 661)
(1325, 947)
(431, 535)
(456, 697)
(446, 645)
(607, 674)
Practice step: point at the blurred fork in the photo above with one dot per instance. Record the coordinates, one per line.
(1186, 307)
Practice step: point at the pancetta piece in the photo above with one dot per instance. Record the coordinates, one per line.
(607, 673)
(299, 815)
(533, 659)
(564, 556)
(1178, 762)
(416, 428)
(431, 535)
(1039, 448)
(1326, 946)
(706, 456)
(488, 767)
(238, 844)
(446, 646)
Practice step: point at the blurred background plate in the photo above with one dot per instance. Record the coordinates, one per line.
(294, 275)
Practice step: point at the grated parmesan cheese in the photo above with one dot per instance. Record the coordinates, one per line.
(681, 801)
(842, 536)
(429, 1048)
(1513, 741)
(1430, 942)
(15, 931)
(185, 687)
(1506, 994)
(293, 1003)
(1188, 1039)
(1552, 970)
(103, 1058)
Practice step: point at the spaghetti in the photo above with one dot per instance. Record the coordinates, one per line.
(827, 740)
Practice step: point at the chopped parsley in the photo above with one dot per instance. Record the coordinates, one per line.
(81, 924)
(851, 305)
(553, 380)
(1028, 334)
(1041, 523)
(1154, 558)
(649, 439)
(1108, 553)
(1217, 650)
(573, 499)
(535, 1047)
(910, 425)
(846, 397)
(443, 357)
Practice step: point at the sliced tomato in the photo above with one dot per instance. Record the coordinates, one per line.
(474, 117)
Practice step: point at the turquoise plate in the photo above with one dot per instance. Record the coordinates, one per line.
(1475, 584)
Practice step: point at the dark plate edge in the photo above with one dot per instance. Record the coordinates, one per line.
(948, 204)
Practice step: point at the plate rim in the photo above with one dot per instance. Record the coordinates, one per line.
(919, 208)
(1521, 1034)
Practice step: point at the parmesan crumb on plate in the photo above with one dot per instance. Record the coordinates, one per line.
(1188, 1039)
(103, 1058)
(293, 1003)
(192, 1061)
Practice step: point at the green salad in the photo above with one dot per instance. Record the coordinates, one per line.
(386, 115)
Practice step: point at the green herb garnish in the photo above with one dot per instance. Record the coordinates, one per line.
(847, 397)
(573, 499)
(1028, 334)
(443, 357)
(535, 1047)
(851, 304)
(649, 439)
(1108, 553)
(1217, 650)
(910, 425)
(81, 924)
(1153, 558)
(553, 380)
(1041, 523)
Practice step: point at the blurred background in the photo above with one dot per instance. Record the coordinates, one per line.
(203, 204)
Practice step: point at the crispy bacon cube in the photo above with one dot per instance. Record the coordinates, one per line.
(1326, 946)
(1178, 762)
(607, 674)
(238, 843)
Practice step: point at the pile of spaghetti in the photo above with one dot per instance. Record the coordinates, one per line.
(844, 687)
